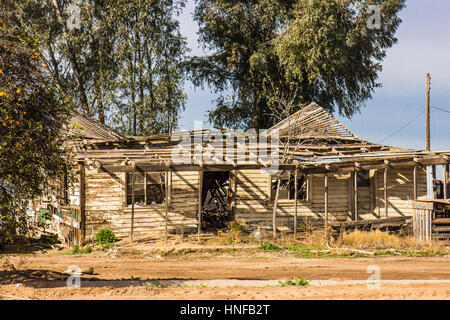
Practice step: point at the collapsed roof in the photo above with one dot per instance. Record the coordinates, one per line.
(316, 142)
(312, 121)
(84, 127)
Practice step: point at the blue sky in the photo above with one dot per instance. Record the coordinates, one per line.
(423, 46)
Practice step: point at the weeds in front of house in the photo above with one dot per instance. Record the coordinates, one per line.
(299, 282)
(80, 250)
(104, 237)
(234, 233)
(391, 244)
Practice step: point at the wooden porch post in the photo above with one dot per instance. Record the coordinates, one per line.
(132, 204)
(296, 203)
(375, 188)
(82, 200)
(385, 193)
(445, 167)
(415, 182)
(326, 203)
(167, 203)
(200, 191)
(355, 186)
(433, 170)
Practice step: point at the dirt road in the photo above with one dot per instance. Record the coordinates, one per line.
(41, 268)
(427, 268)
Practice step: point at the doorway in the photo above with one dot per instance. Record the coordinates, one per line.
(215, 199)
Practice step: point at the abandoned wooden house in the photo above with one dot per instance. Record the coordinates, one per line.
(135, 186)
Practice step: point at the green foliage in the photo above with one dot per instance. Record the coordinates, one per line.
(78, 250)
(300, 282)
(123, 63)
(31, 117)
(105, 237)
(264, 49)
(233, 234)
(269, 246)
(236, 227)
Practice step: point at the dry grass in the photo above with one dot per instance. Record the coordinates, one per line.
(380, 239)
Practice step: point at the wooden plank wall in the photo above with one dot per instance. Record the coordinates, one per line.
(400, 190)
(254, 207)
(106, 206)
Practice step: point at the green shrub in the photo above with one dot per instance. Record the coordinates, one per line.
(78, 250)
(105, 236)
(300, 282)
(269, 246)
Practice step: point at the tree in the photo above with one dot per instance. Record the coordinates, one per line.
(325, 49)
(121, 62)
(150, 51)
(32, 116)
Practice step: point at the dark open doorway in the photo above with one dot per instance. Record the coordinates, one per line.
(215, 199)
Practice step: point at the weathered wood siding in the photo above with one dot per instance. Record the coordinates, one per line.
(254, 206)
(106, 206)
(104, 200)
(400, 191)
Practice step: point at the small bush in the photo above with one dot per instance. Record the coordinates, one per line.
(105, 237)
(235, 233)
(236, 227)
(269, 246)
(78, 250)
(300, 282)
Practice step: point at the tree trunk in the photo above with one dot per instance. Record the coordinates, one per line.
(72, 59)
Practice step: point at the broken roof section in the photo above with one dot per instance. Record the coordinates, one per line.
(312, 122)
(88, 128)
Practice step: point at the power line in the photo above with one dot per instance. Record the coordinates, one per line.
(441, 109)
(403, 127)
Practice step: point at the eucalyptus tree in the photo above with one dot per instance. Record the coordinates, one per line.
(118, 60)
(150, 52)
(330, 51)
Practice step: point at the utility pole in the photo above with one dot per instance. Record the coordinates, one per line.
(427, 127)
(431, 176)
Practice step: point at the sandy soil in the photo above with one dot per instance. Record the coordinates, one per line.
(44, 268)
(359, 292)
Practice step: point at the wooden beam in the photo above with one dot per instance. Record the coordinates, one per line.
(375, 188)
(296, 204)
(385, 192)
(132, 204)
(199, 213)
(167, 203)
(326, 203)
(355, 186)
(350, 202)
(415, 182)
(445, 168)
(82, 200)
(433, 171)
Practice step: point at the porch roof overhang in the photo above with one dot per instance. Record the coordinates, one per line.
(320, 164)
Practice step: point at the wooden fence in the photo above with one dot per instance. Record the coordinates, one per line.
(431, 220)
